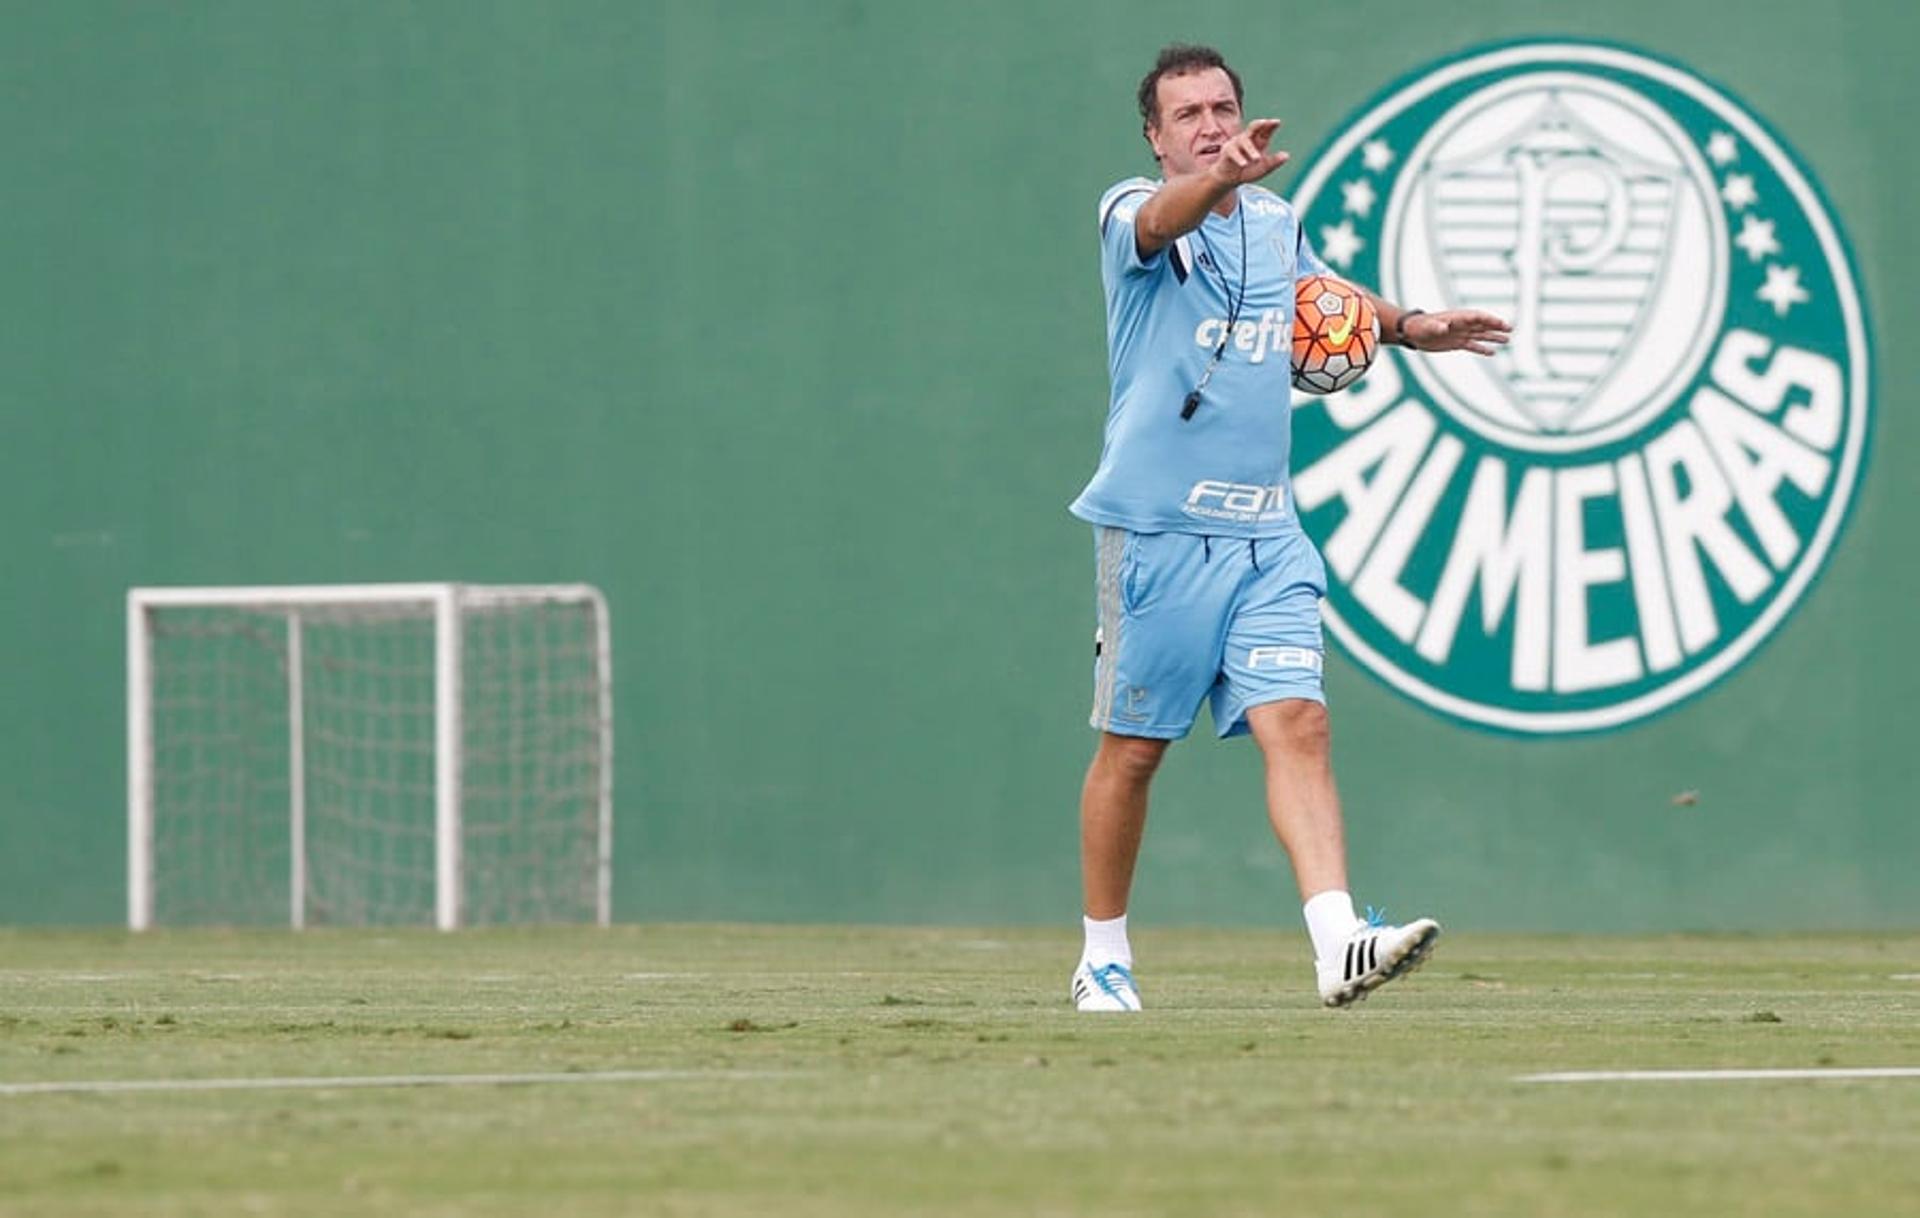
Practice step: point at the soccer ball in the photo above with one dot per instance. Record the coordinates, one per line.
(1335, 334)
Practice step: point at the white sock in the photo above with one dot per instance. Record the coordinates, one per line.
(1330, 922)
(1106, 942)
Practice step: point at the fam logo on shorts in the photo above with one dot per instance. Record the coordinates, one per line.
(1619, 508)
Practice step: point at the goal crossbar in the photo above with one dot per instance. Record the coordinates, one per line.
(447, 603)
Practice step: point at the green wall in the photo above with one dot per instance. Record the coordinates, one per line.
(781, 323)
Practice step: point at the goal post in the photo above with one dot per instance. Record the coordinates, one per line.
(369, 754)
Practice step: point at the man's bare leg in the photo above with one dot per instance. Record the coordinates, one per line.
(1113, 817)
(1302, 801)
(1351, 958)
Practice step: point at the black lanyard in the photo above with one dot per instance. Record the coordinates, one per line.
(1234, 303)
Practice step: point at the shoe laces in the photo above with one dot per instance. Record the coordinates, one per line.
(1376, 918)
(1105, 976)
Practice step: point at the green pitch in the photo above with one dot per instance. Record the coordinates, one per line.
(852, 1071)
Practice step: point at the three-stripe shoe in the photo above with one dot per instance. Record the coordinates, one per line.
(1106, 987)
(1372, 956)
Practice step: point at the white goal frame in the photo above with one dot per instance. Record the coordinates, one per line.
(447, 600)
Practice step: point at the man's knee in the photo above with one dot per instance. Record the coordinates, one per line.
(1131, 758)
(1298, 725)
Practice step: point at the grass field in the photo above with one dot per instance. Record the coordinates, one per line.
(852, 1071)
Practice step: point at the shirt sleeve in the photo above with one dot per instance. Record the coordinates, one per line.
(1305, 260)
(1119, 251)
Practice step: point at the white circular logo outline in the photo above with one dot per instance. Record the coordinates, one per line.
(1812, 559)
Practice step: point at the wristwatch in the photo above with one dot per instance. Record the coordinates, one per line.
(1400, 326)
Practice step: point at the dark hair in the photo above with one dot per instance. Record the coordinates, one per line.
(1178, 59)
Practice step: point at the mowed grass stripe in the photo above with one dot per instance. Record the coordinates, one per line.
(941, 1073)
(328, 1083)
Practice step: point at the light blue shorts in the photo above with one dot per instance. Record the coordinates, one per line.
(1185, 618)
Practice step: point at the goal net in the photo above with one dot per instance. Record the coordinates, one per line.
(406, 754)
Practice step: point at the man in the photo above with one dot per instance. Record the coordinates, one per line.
(1207, 587)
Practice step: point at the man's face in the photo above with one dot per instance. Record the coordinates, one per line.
(1197, 115)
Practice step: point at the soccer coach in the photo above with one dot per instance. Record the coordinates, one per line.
(1207, 589)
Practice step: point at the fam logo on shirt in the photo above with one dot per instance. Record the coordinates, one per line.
(1619, 508)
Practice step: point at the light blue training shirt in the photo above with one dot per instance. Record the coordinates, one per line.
(1222, 472)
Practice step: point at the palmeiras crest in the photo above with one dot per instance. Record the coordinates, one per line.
(1615, 510)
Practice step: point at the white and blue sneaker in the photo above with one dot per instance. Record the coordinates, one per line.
(1108, 987)
(1373, 955)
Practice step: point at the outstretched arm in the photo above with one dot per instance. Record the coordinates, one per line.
(1449, 330)
(1178, 207)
